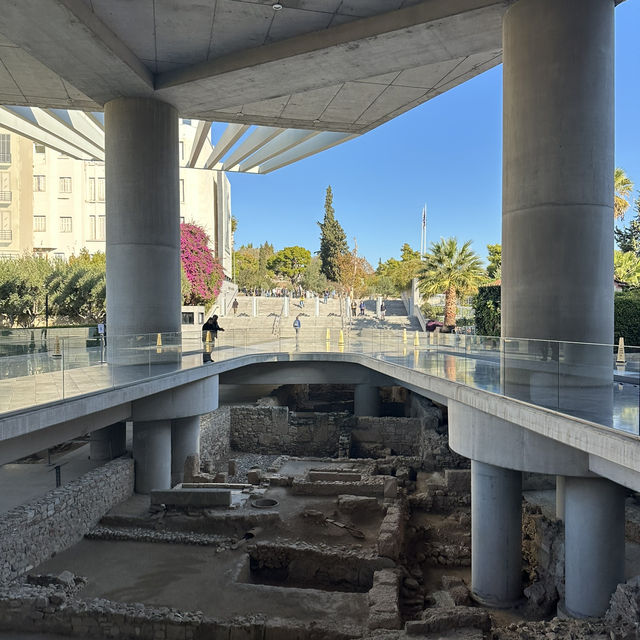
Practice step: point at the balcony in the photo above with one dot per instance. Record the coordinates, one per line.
(6, 236)
(5, 196)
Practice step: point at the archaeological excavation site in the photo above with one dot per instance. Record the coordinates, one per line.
(300, 518)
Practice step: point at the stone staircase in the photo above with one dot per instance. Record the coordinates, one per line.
(270, 320)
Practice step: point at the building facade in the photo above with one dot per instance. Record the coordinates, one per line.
(54, 205)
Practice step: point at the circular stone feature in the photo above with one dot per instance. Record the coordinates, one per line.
(264, 503)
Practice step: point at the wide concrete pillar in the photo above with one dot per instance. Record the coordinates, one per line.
(152, 455)
(366, 400)
(557, 220)
(496, 535)
(143, 220)
(594, 544)
(185, 441)
(108, 443)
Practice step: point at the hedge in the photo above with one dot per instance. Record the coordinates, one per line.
(626, 317)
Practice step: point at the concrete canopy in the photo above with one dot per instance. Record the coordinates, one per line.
(324, 65)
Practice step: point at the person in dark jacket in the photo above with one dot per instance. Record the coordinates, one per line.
(212, 326)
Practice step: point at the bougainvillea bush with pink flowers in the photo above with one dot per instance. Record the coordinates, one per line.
(203, 271)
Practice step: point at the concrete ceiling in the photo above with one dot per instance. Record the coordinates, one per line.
(325, 65)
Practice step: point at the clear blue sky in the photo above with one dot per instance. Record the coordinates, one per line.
(446, 153)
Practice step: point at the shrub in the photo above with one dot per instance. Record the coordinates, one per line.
(627, 316)
(486, 305)
(203, 271)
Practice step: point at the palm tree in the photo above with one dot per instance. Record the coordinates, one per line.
(454, 270)
(622, 187)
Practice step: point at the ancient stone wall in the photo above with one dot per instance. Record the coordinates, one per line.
(33, 532)
(277, 430)
(214, 435)
(374, 437)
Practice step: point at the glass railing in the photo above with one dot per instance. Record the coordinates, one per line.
(589, 381)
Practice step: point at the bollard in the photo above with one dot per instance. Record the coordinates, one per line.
(328, 337)
(56, 349)
(159, 343)
(341, 339)
(620, 358)
(416, 340)
(404, 336)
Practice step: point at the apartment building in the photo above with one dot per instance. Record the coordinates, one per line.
(54, 205)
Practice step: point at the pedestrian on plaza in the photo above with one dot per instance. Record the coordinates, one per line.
(234, 306)
(211, 325)
(326, 296)
(362, 308)
(383, 309)
(296, 325)
(302, 302)
(353, 308)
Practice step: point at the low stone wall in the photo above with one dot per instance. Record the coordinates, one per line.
(391, 534)
(215, 434)
(372, 437)
(272, 430)
(54, 609)
(33, 532)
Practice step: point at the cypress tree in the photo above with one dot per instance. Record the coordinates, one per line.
(333, 240)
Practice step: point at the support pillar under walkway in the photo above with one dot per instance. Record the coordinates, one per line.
(108, 443)
(496, 535)
(594, 544)
(185, 441)
(152, 455)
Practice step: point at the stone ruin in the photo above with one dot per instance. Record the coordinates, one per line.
(372, 527)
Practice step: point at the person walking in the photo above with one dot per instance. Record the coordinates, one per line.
(235, 306)
(296, 325)
(211, 325)
(383, 310)
(362, 308)
(353, 308)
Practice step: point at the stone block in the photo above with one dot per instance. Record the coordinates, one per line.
(390, 487)
(384, 612)
(358, 504)
(334, 476)
(254, 476)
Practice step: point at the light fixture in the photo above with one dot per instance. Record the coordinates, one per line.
(276, 6)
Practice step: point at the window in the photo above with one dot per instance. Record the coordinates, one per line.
(186, 121)
(66, 224)
(59, 255)
(39, 148)
(101, 189)
(5, 226)
(181, 151)
(39, 183)
(181, 190)
(92, 190)
(65, 185)
(39, 223)
(181, 219)
(96, 227)
(5, 148)
(187, 317)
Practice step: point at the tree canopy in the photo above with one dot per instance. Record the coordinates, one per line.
(623, 187)
(452, 270)
(394, 276)
(333, 240)
(290, 263)
(628, 238)
(494, 268)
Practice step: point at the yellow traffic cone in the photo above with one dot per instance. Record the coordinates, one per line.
(341, 339)
(159, 343)
(404, 336)
(328, 337)
(620, 358)
(57, 353)
(416, 340)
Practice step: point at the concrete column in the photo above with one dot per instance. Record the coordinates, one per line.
(496, 534)
(560, 509)
(285, 307)
(109, 442)
(185, 441)
(143, 220)
(152, 455)
(557, 220)
(254, 306)
(366, 400)
(594, 544)
(317, 306)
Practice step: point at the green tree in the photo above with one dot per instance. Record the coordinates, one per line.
(628, 238)
(452, 270)
(394, 276)
(333, 240)
(290, 263)
(77, 288)
(626, 267)
(23, 290)
(495, 261)
(313, 279)
(623, 188)
(355, 274)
